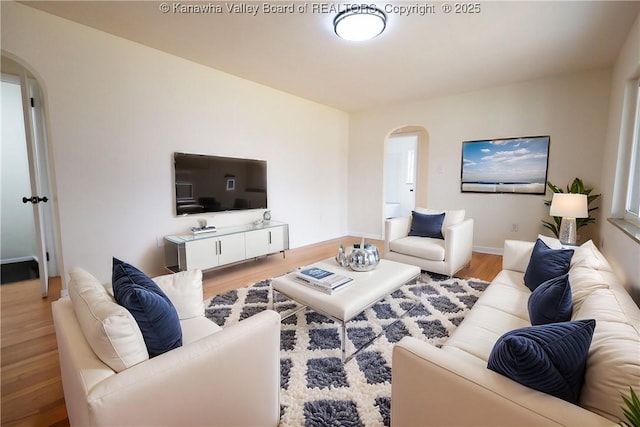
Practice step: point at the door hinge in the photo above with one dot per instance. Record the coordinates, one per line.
(33, 102)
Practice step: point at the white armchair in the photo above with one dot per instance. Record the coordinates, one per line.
(443, 256)
(227, 376)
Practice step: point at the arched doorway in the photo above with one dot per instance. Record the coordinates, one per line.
(405, 170)
(29, 227)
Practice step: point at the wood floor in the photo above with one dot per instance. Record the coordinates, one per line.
(31, 392)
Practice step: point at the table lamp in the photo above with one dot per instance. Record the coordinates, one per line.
(568, 206)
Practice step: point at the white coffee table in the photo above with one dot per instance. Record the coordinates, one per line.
(367, 288)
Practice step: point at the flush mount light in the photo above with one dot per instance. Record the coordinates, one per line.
(360, 23)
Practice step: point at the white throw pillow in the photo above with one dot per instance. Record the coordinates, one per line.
(184, 289)
(587, 255)
(109, 328)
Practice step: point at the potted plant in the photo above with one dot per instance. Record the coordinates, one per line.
(632, 410)
(576, 187)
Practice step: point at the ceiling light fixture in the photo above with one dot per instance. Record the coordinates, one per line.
(359, 23)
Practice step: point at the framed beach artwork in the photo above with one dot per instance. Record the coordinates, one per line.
(509, 165)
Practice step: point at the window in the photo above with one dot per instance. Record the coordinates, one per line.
(632, 202)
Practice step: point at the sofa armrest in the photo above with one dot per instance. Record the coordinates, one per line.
(432, 386)
(395, 228)
(516, 255)
(231, 377)
(458, 244)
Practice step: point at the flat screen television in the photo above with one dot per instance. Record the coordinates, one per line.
(508, 165)
(216, 184)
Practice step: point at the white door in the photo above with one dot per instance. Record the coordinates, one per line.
(231, 248)
(400, 175)
(25, 176)
(36, 198)
(276, 239)
(201, 254)
(256, 243)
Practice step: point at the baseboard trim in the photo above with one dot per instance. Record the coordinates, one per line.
(366, 235)
(19, 259)
(488, 250)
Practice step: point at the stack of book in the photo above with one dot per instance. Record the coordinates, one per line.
(322, 280)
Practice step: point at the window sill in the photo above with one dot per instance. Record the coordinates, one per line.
(627, 228)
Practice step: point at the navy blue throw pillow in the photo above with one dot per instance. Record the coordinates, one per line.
(424, 225)
(551, 302)
(546, 263)
(155, 314)
(548, 358)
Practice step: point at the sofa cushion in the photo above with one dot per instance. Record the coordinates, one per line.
(614, 357)
(587, 255)
(549, 358)
(110, 330)
(184, 289)
(421, 247)
(451, 217)
(552, 242)
(546, 263)
(423, 225)
(152, 309)
(584, 281)
(551, 302)
(507, 294)
(482, 328)
(196, 328)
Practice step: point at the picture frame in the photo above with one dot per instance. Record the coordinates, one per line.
(231, 184)
(506, 165)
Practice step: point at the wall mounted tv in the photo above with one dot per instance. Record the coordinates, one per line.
(509, 165)
(217, 184)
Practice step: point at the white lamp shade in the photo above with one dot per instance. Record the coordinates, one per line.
(569, 205)
(361, 23)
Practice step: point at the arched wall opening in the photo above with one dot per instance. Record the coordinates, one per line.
(394, 203)
(47, 228)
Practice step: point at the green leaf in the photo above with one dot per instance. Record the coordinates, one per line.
(551, 227)
(632, 410)
(576, 187)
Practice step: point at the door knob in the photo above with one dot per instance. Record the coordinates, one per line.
(35, 199)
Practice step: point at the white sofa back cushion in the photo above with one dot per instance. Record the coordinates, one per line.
(110, 330)
(614, 356)
(184, 289)
(589, 271)
(451, 217)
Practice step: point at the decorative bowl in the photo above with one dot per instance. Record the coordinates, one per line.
(364, 258)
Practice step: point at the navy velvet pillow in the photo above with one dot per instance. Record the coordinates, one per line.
(424, 225)
(551, 302)
(155, 314)
(548, 358)
(546, 263)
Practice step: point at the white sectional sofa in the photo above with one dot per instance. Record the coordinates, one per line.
(227, 376)
(453, 386)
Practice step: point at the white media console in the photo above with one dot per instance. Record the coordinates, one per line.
(225, 246)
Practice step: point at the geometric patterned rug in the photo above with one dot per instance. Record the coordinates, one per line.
(317, 389)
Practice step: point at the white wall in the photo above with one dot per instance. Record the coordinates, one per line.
(17, 228)
(572, 109)
(117, 112)
(620, 249)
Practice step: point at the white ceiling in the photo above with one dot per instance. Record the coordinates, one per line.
(418, 56)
